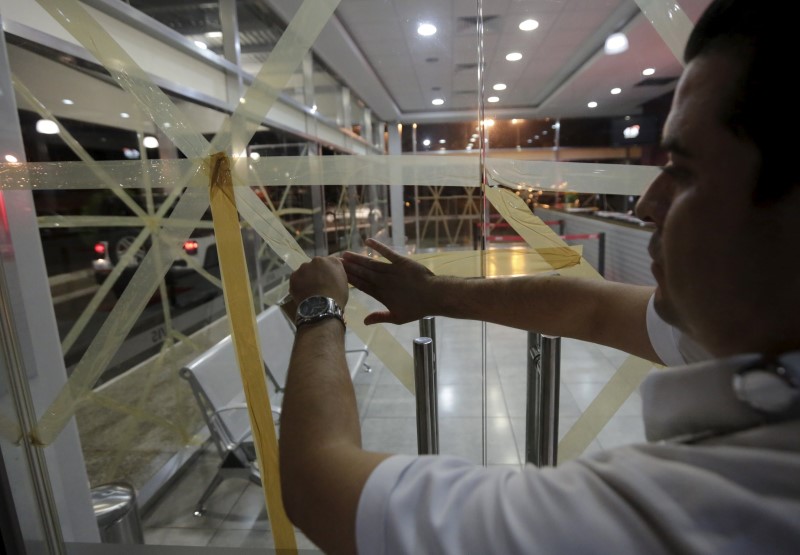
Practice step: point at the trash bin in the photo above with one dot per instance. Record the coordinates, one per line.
(117, 513)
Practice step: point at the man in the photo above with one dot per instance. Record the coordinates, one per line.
(721, 472)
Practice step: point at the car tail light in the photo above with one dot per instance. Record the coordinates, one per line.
(100, 249)
(190, 247)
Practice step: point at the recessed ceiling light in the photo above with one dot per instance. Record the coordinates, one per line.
(616, 90)
(513, 56)
(493, 99)
(499, 86)
(11, 159)
(437, 101)
(255, 156)
(200, 44)
(150, 142)
(47, 127)
(529, 25)
(648, 71)
(426, 142)
(592, 104)
(67, 101)
(616, 44)
(214, 34)
(426, 29)
(124, 115)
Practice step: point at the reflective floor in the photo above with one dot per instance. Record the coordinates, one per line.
(236, 513)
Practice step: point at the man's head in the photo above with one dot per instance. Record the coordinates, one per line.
(727, 206)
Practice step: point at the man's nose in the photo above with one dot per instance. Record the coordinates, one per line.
(654, 202)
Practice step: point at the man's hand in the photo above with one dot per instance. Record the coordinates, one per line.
(403, 286)
(323, 275)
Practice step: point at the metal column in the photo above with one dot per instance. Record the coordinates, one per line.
(544, 376)
(424, 384)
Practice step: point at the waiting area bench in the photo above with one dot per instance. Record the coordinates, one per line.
(217, 387)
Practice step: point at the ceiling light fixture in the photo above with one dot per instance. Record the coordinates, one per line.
(11, 159)
(437, 101)
(47, 127)
(493, 99)
(67, 101)
(124, 115)
(592, 104)
(201, 45)
(616, 90)
(529, 25)
(442, 141)
(426, 142)
(255, 156)
(426, 29)
(616, 44)
(513, 56)
(499, 86)
(150, 142)
(648, 71)
(214, 34)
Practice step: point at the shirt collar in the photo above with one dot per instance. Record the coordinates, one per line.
(698, 401)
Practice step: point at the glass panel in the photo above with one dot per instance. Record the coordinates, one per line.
(313, 186)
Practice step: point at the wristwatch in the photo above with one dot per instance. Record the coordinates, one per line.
(316, 308)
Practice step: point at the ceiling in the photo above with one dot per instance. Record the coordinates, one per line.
(373, 47)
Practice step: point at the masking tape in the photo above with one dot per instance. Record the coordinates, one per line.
(670, 21)
(239, 303)
(191, 206)
(75, 146)
(123, 316)
(448, 171)
(616, 391)
(74, 18)
(590, 176)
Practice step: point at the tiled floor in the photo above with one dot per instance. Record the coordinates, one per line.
(236, 513)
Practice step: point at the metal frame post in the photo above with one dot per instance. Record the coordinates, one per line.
(601, 253)
(427, 328)
(544, 377)
(423, 363)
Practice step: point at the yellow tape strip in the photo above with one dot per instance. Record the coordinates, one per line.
(76, 147)
(73, 17)
(624, 382)
(239, 302)
(448, 171)
(536, 233)
(192, 205)
(670, 21)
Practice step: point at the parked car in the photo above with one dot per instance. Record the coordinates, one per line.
(181, 278)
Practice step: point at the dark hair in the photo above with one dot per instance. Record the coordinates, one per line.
(758, 34)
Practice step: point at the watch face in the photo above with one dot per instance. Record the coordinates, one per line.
(312, 306)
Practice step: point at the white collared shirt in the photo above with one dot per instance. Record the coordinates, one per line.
(737, 491)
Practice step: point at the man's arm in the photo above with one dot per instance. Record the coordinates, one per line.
(323, 468)
(599, 311)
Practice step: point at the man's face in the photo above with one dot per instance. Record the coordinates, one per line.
(713, 249)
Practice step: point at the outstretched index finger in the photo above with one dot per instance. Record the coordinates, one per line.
(384, 251)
